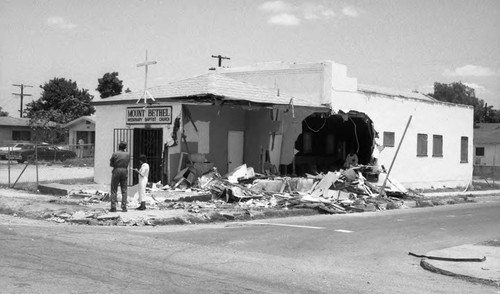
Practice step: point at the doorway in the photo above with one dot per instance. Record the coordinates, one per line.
(235, 143)
(148, 142)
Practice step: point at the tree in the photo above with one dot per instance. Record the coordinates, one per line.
(460, 94)
(109, 85)
(60, 102)
(3, 113)
(44, 129)
(491, 115)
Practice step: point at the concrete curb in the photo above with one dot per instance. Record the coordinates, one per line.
(466, 193)
(53, 189)
(463, 263)
(427, 266)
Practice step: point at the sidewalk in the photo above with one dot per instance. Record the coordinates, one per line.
(183, 208)
(486, 272)
(463, 193)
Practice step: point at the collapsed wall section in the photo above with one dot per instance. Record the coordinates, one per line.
(436, 151)
(326, 139)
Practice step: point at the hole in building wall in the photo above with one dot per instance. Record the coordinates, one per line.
(326, 139)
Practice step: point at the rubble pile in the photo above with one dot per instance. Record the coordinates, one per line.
(335, 192)
(90, 196)
(244, 193)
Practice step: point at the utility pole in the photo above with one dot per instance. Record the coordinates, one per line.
(22, 86)
(220, 57)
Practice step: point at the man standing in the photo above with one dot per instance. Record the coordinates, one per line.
(119, 161)
(81, 142)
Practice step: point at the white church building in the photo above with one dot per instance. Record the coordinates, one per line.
(298, 117)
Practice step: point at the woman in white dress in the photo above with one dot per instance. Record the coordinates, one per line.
(143, 180)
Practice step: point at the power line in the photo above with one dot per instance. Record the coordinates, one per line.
(22, 94)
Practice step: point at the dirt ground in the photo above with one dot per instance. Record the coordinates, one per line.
(47, 172)
(26, 202)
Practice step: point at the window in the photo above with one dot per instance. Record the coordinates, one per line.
(421, 144)
(21, 135)
(388, 139)
(479, 151)
(464, 149)
(437, 146)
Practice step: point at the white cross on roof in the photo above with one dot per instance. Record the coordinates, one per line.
(146, 93)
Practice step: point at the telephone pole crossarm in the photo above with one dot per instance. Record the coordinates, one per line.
(220, 57)
(22, 95)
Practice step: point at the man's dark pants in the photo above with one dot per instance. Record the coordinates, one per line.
(119, 177)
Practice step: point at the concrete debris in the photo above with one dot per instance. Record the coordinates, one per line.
(335, 192)
(243, 192)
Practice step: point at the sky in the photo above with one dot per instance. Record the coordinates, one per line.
(399, 44)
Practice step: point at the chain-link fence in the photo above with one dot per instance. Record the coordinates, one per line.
(33, 164)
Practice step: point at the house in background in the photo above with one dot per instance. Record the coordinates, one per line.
(14, 129)
(487, 150)
(81, 131)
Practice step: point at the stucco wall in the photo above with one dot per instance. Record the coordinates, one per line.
(110, 117)
(390, 114)
(259, 128)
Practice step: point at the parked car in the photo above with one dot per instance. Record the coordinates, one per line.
(44, 152)
(4, 150)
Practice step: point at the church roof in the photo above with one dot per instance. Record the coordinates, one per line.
(215, 85)
(370, 89)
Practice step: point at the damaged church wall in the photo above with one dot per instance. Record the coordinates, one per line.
(258, 136)
(221, 121)
(327, 83)
(292, 128)
(390, 114)
(272, 130)
(309, 82)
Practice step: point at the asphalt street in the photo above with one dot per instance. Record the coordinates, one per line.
(355, 253)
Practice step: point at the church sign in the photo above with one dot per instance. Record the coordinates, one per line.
(149, 115)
